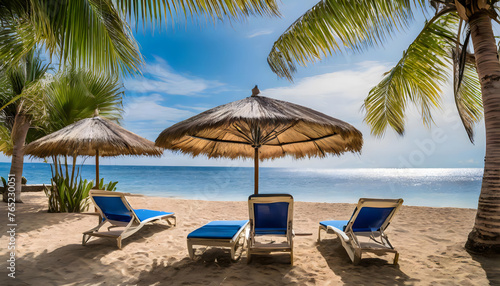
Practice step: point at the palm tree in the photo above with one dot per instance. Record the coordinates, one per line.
(69, 96)
(21, 89)
(95, 34)
(333, 26)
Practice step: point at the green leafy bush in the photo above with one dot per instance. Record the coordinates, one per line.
(111, 186)
(70, 193)
(4, 182)
(66, 197)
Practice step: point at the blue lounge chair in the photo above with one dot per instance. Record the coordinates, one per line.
(270, 215)
(219, 233)
(365, 231)
(115, 210)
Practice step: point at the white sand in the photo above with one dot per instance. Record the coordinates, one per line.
(49, 250)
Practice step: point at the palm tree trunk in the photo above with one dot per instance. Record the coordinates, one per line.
(485, 236)
(19, 132)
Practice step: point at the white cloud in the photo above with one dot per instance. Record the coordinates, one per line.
(195, 108)
(146, 116)
(260, 33)
(341, 94)
(160, 77)
(149, 108)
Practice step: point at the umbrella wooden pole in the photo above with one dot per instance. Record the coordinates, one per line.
(73, 169)
(97, 169)
(97, 180)
(256, 170)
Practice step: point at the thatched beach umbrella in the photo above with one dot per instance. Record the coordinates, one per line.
(94, 136)
(261, 128)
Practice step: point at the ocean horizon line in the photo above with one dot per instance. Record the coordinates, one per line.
(251, 167)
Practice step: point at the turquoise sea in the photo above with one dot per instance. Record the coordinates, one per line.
(418, 187)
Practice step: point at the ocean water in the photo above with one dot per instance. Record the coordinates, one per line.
(418, 187)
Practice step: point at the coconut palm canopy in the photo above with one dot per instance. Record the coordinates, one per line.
(91, 137)
(261, 128)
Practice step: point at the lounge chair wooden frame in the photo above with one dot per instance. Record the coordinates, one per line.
(260, 248)
(233, 243)
(134, 225)
(355, 243)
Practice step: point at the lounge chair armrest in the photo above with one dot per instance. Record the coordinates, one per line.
(339, 233)
(133, 195)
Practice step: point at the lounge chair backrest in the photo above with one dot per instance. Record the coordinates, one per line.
(373, 215)
(112, 205)
(271, 213)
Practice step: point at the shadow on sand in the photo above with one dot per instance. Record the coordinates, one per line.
(32, 216)
(216, 268)
(380, 271)
(491, 265)
(60, 267)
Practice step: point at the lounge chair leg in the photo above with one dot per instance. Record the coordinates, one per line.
(356, 256)
(170, 223)
(396, 258)
(85, 239)
(233, 251)
(190, 250)
(291, 258)
(319, 234)
(249, 257)
(119, 242)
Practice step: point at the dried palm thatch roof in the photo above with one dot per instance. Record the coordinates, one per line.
(88, 135)
(277, 128)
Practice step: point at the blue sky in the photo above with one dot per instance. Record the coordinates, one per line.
(191, 67)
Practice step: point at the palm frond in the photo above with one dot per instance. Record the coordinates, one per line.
(91, 34)
(154, 11)
(75, 94)
(16, 41)
(416, 78)
(95, 36)
(33, 98)
(107, 95)
(333, 25)
(16, 79)
(6, 144)
(467, 91)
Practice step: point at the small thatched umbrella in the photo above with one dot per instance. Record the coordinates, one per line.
(261, 128)
(94, 136)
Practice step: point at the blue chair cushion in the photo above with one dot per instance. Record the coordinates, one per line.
(370, 219)
(226, 229)
(144, 214)
(271, 218)
(340, 224)
(113, 208)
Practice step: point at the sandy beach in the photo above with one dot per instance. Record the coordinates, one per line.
(49, 250)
